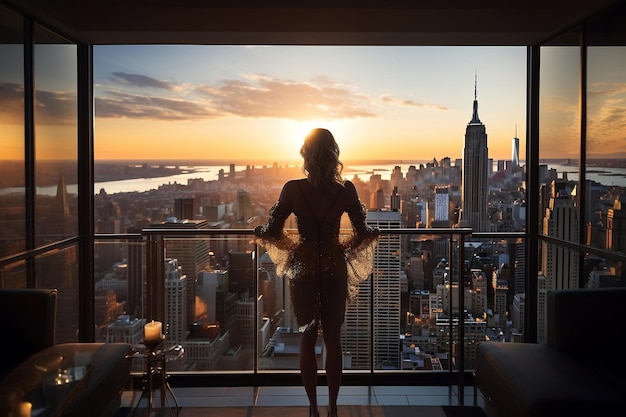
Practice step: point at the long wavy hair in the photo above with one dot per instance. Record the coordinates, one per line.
(321, 160)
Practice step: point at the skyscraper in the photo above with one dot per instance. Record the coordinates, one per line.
(386, 279)
(442, 207)
(475, 174)
(175, 301)
(559, 264)
(616, 227)
(184, 208)
(193, 256)
(515, 152)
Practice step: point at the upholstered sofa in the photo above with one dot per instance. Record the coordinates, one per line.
(579, 371)
(65, 380)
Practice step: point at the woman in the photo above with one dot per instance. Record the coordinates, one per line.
(324, 267)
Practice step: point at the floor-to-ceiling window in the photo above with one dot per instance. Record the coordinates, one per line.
(12, 174)
(56, 172)
(205, 136)
(582, 160)
(39, 164)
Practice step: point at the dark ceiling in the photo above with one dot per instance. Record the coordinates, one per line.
(354, 22)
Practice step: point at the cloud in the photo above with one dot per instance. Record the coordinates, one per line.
(51, 107)
(253, 96)
(410, 103)
(138, 80)
(607, 117)
(55, 107)
(264, 96)
(12, 103)
(118, 105)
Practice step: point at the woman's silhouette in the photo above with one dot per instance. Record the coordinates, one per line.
(324, 267)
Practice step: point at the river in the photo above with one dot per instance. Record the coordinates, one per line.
(610, 176)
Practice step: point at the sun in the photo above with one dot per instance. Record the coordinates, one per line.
(293, 133)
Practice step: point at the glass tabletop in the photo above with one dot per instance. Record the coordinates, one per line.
(48, 382)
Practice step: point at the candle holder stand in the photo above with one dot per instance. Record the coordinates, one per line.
(155, 377)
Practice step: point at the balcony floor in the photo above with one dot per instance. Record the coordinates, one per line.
(291, 401)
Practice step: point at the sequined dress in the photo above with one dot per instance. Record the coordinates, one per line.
(324, 267)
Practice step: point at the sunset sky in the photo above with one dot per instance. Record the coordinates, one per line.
(256, 103)
(400, 103)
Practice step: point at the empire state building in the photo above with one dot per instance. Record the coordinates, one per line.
(475, 173)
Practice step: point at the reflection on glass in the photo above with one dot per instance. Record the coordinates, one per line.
(559, 131)
(12, 191)
(13, 276)
(603, 273)
(119, 277)
(55, 138)
(559, 150)
(606, 148)
(59, 269)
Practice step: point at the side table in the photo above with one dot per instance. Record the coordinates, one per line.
(155, 377)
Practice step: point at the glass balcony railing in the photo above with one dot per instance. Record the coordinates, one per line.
(218, 295)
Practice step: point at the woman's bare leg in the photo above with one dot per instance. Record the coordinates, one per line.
(308, 367)
(334, 366)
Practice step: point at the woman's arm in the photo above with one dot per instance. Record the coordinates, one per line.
(356, 212)
(277, 216)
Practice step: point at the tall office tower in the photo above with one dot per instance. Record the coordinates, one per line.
(209, 282)
(616, 227)
(213, 212)
(416, 272)
(515, 151)
(517, 316)
(500, 290)
(411, 175)
(377, 200)
(519, 268)
(394, 199)
(396, 176)
(134, 301)
(241, 266)
(244, 206)
(560, 264)
(475, 174)
(413, 213)
(184, 208)
(175, 302)
(386, 280)
(446, 168)
(442, 207)
(519, 214)
(246, 316)
(232, 173)
(272, 288)
(193, 256)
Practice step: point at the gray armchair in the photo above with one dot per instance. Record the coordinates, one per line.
(64, 380)
(28, 324)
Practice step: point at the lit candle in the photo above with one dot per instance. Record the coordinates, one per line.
(152, 331)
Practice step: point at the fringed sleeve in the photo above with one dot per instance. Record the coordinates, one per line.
(359, 248)
(277, 242)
